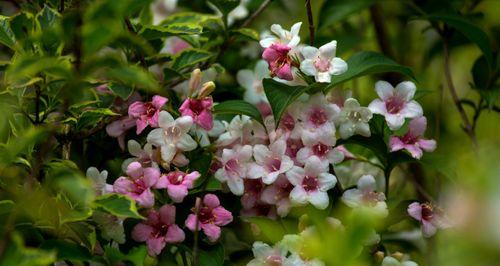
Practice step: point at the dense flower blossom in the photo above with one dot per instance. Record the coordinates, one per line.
(311, 184)
(242, 130)
(279, 194)
(270, 161)
(322, 63)
(234, 167)
(365, 195)
(200, 110)
(353, 119)
(211, 216)
(158, 230)
(412, 141)
(138, 184)
(252, 193)
(146, 113)
(429, 216)
(391, 261)
(317, 118)
(172, 136)
(396, 104)
(251, 81)
(177, 184)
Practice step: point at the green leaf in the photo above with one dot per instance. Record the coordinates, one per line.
(334, 11)
(247, 33)
(66, 250)
(280, 96)
(213, 256)
(47, 17)
(469, 30)
(137, 255)
(190, 17)
(225, 6)
(16, 253)
(121, 90)
(119, 205)
(238, 107)
(481, 73)
(189, 57)
(367, 63)
(92, 117)
(24, 68)
(272, 231)
(134, 76)
(177, 29)
(6, 35)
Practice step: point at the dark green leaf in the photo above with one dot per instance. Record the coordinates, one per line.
(481, 73)
(238, 107)
(225, 6)
(280, 96)
(66, 250)
(121, 90)
(190, 17)
(6, 35)
(247, 33)
(92, 117)
(47, 17)
(367, 63)
(469, 30)
(16, 253)
(118, 205)
(334, 11)
(213, 256)
(190, 57)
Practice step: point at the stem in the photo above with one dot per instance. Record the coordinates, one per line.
(37, 104)
(311, 22)
(387, 176)
(255, 14)
(381, 31)
(196, 252)
(467, 126)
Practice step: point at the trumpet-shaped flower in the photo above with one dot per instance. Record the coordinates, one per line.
(365, 195)
(270, 161)
(200, 110)
(280, 62)
(430, 217)
(326, 154)
(311, 183)
(234, 167)
(353, 119)
(172, 136)
(146, 113)
(138, 184)
(211, 216)
(412, 141)
(322, 63)
(147, 156)
(396, 104)
(177, 184)
(158, 230)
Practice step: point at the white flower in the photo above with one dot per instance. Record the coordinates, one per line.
(366, 196)
(270, 162)
(242, 130)
(326, 154)
(295, 260)
(311, 184)
(390, 261)
(322, 63)
(396, 104)
(290, 38)
(98, 180)
(161, 9)
(234, 167)
(354, 119)
(252, 82)
(265, 255)
(240, 12)
(172, 136)
(146, 156)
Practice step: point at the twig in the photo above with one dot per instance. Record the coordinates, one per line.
(255, 14)
(381, 31)
(37, 104)
(196, 254)
(310, 21)
(131, 29)
(467, 126)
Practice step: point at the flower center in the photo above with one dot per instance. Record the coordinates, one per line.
(427, 212)
(205, 215)
(173, 133)
(273, 260)
(394, 104)
(293, 146)
(320, 149)
(150, 109)
(274, 164)
(354, 116)
(232, 166)
(318, 117)
(287, 122)
(322, 64)
(371, 197)
(139, 186)
(196, 106)
(310, 183)
(176, 177)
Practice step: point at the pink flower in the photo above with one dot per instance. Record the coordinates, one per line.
(365, 195)
(430, 218)
(317, 118)
(311, 184)
(396, 104)
(138, 184)
(260, 209)
(200, 110)
(174, 45)
(270, 161)
(325, 153)
(118, 128)
(211, 217)
(412, 141)
(279, 194)
(177, 184)
(280, 63)
(146, 113)
(158, 230)
(253, 191)
(234, 167)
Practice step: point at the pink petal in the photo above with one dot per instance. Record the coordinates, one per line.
(119, 127)
(212, 231)
(415, 211)
(395, 144)
(384, 89)
(140, 126)
(269, 195)
(428, 145)
(134, 170)
(155, 245)
(417, 126)
(123, 185)
(191, 222)
(211, 201)
(174, 234)
(205, 120)
(428, 229)
(136, 109)
(285, 72)
(146, 199)
(190, 178)
(158, 101)
(163, 182)
(167, 214)
(150, 176)
(414, 150)
(222, 216)
(141, 232)
(177, 192)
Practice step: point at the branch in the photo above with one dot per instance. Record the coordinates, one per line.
(467, 125)
(196, 254)
(255, 14)
(37, 104)
(381, 31)
(311, 22)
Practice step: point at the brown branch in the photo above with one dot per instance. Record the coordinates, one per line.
(382, 35)
(310, 21)
(255, 14)
(37, 104)
(463, 115)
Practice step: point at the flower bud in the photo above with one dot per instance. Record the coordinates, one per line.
(206, 89)
(194, 81)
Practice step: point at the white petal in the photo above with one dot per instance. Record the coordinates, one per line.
(352, 197)
(406, 90)
(323, 77)
(384, 89)
(245, 78)
(328, 50)
(377, 106)
(270, 177)
(338, 66)
(186, 143)
(261, 153)
(256, 171)
(236, 186)
(156, 137)
(326, 181)
(319, 199)
(367, 182)
(268, 41)
(298, 195)
(394, 121)
(295, 175)
(279, 147)
(412, 109)
(307, 66)
(165, 119)
(184, 123)
(134, 148)
(168, 152)
(310, 52)
(295, 28)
